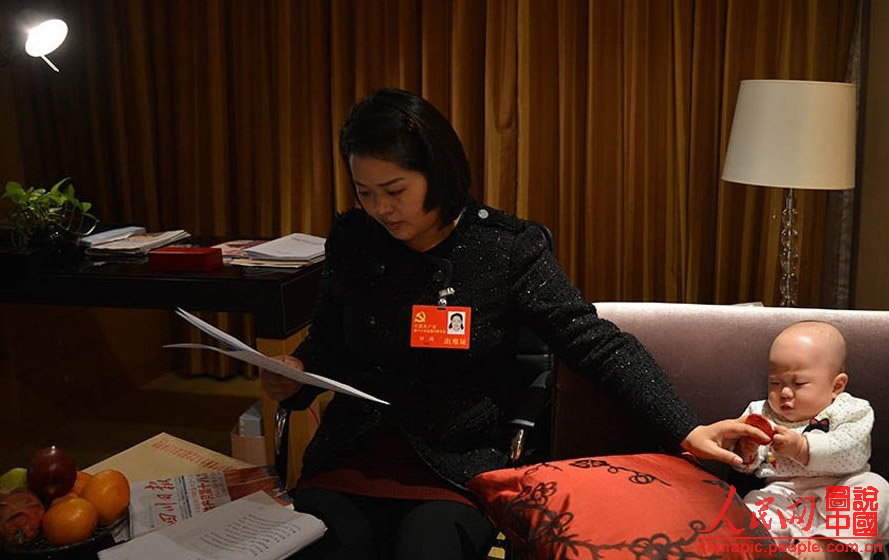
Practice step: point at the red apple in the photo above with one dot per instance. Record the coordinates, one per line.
(51, 473)
(20, 515)
(761, 422)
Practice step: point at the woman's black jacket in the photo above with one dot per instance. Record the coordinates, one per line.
(453, 406)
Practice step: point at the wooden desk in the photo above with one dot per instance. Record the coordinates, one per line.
(280, 300)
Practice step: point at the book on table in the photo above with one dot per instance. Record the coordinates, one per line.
(174, 482)
(254, 526)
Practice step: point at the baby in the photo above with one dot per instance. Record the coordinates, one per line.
(822, 438)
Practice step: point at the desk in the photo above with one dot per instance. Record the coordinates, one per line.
(280, 300)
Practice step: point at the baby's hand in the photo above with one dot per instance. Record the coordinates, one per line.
(791, 444)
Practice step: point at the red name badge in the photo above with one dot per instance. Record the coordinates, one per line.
(440, 327)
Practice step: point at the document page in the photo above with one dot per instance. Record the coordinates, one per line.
(253, 527)
(293, 247)
(245, 353)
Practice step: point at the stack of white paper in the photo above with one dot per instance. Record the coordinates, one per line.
(296, 247)
(110, 235)
(138, 244)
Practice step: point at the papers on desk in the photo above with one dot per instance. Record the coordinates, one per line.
(245, 353)
(235, 249)
(296, 247)
(291, 251)
(255, 526)
(254, 263)
(110, 235)
(137, 245)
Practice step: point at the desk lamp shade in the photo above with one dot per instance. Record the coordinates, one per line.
(794, 135)
(45, 38)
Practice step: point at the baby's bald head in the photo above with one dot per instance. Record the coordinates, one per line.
(806, 369)
(822, 339)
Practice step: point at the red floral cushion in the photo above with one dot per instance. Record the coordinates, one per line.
(619, 507)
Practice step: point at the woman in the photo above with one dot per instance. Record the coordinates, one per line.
(455, 325)
(389, 480)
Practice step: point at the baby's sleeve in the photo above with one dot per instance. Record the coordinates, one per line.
(846, 447)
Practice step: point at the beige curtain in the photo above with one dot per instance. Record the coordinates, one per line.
(606, 120)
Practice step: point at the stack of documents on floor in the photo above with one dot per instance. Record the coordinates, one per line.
(255, 526)
(290, 251)
(136, 244)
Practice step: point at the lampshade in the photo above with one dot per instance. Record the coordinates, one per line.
(46, 37)
(794, 134)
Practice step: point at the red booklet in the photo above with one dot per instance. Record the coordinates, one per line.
(185, 259)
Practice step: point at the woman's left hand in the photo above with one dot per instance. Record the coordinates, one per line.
(714, 441)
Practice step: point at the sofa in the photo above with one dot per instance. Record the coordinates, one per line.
(717, 358)
(609, 491)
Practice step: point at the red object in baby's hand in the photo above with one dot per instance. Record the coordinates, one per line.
(759, 421)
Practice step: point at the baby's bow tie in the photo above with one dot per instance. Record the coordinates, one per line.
(814, 424)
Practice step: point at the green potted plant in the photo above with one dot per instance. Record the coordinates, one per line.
(46, 218)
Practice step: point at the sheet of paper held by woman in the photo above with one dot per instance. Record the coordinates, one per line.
(241, 351)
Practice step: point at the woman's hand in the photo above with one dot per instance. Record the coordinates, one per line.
(714, 441)
(277, 386)
(791, 444)
(747, 448)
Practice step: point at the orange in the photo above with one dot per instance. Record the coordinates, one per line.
(69, 521)
(80, 482)
(67, 496)
(109, 492)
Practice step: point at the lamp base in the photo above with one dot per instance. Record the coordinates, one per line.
(789, 256)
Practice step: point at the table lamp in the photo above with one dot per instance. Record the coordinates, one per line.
(793, 135)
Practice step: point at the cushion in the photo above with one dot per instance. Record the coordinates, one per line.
(620, 506)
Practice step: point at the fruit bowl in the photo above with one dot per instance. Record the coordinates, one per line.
(42, 549)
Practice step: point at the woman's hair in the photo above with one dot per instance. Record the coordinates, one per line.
(398, 126)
